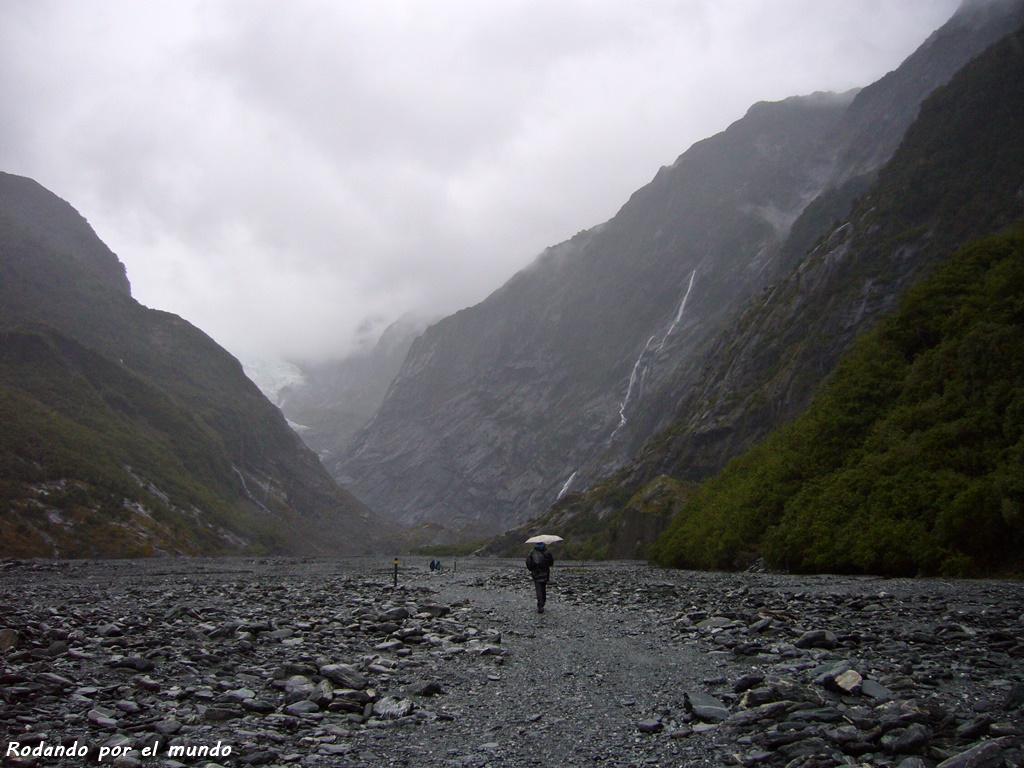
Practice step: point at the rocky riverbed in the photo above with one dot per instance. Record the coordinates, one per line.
(285, 662)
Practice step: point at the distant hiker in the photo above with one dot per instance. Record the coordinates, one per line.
(539, 563)
(433, 565)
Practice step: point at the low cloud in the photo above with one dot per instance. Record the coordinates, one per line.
(288, 175)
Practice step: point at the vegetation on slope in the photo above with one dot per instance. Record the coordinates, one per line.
(95, 461)
(126, 431)
(910, 460)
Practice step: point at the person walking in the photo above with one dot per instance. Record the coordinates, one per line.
(539, 563)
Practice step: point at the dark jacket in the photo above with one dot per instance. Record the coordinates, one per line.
(539, 562)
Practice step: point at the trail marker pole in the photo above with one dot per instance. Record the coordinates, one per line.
(396, 573)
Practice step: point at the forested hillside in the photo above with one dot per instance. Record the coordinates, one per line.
(909, 461)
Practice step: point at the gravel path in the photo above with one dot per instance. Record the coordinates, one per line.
(325, 663)
(581, 676)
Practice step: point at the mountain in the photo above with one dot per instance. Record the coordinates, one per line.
(955, 178)
(328, 402)
(564, 373)
(127, 431)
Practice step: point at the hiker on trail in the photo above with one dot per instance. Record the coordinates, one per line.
(539, 563)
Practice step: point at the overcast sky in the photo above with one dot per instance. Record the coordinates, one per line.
(291, 176)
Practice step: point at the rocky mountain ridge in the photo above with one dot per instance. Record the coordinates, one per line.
(956, 178)
(126, 430)
(562, 374)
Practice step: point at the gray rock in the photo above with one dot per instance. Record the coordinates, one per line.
(391, 708)
(238, 695)
(260, 706)
(423, 688)
(913, 740)
(299, 708)
(57, 648)
(875, 690)
(344, 675)
(849, 681)
(167, 727)
(8, 639)
(1014, 697)
(323, 693)
(222, 712)
(747, 682)
(974, 729)
(137, 663)
(988, 754)
(298, 687)
(707, 708)
(817, 638)
(650, 726)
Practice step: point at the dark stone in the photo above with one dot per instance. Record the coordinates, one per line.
(913, 740)
(988, 754)
(707, 708)
(423, 688)
(1014, 697)
(974, 729)
(875, 690)
(137, 663)
(344, 675)
(257, 757)
(260, 706)
(817, 638)
(304, 707)
(747, 682)
(650, 726)
(219, 713)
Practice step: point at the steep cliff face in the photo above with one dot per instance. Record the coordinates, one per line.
(498, 406)
(126, 430)
(957, 176)
(560, 375)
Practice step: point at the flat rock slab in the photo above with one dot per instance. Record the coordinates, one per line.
(707, 708)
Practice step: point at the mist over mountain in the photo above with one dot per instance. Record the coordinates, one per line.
(327, 403)
(126, 430)
(560, 376)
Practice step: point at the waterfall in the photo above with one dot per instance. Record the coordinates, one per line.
(629, 389)
(637, 373)
(565, 488)
(679, 314)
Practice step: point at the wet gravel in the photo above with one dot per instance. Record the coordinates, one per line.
(287, 662)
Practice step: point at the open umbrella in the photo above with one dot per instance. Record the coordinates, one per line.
(543, 538)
